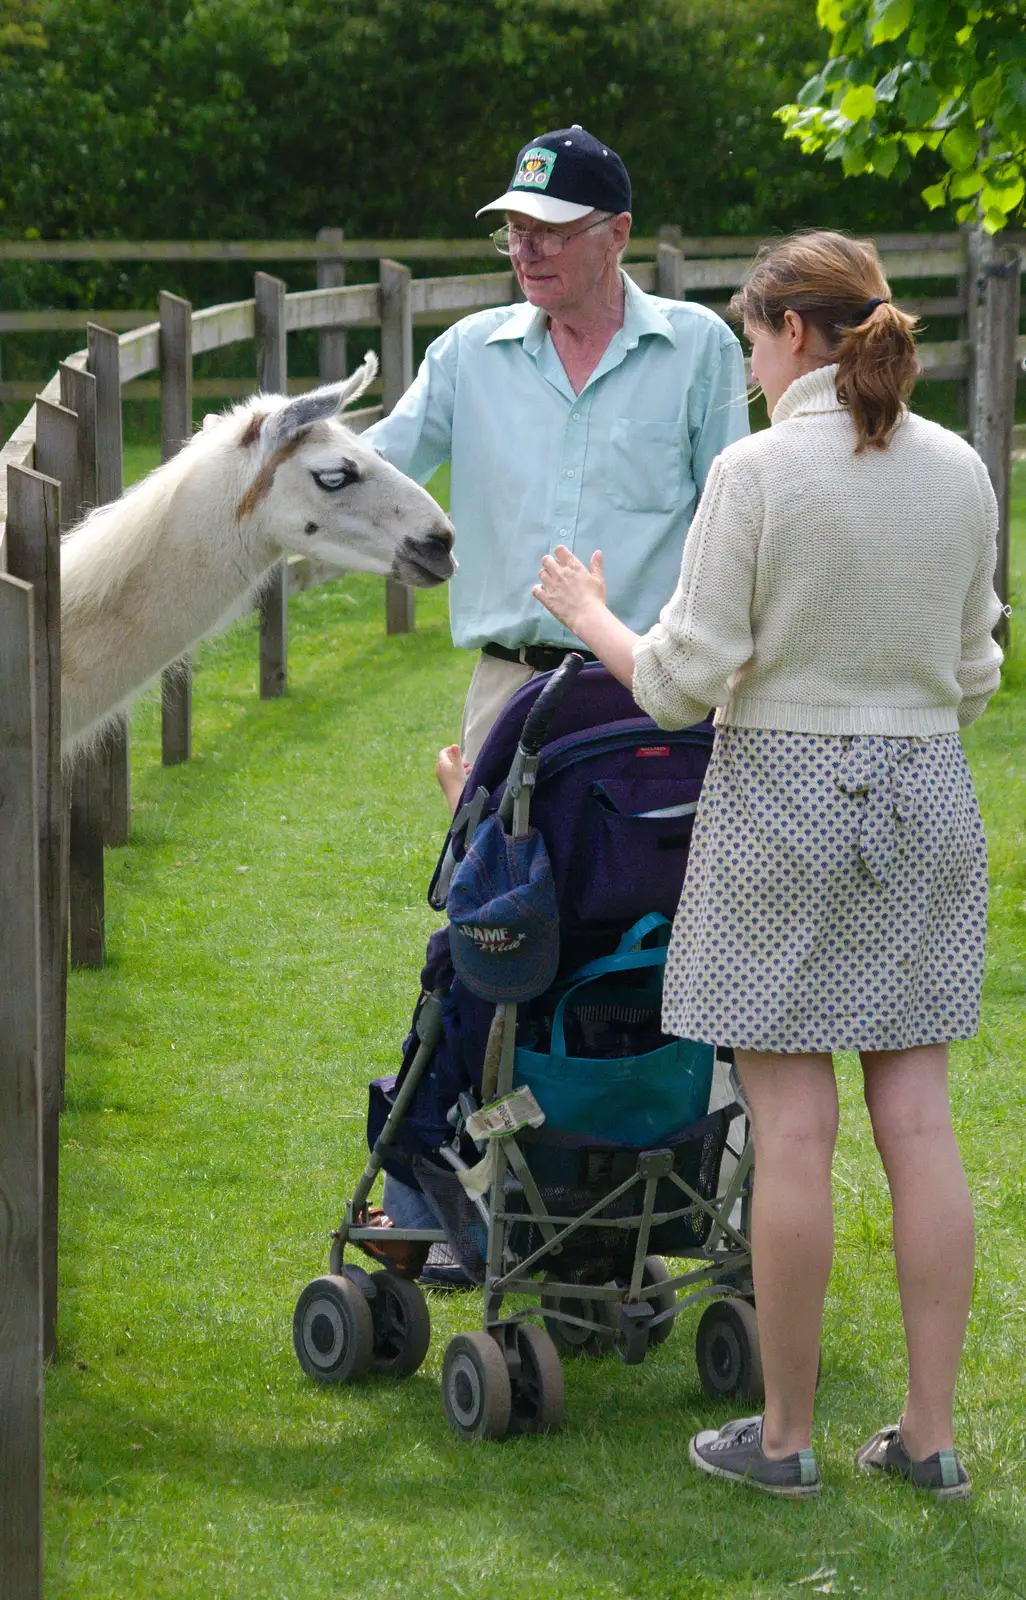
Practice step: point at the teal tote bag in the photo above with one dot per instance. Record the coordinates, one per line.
(637, 1100)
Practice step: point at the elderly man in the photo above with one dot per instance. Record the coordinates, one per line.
(587, 417)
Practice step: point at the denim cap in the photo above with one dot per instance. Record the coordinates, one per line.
(503, 916)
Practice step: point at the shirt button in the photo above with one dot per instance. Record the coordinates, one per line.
(570, 472)
(576, 417)
(562, 533)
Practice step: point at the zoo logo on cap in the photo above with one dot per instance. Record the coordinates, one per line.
(535, 168)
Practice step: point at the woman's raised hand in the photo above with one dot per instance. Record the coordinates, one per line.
(569, 589)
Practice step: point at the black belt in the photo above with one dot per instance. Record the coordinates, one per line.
(541, 657)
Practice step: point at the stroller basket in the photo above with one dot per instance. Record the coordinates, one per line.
(572, 1176)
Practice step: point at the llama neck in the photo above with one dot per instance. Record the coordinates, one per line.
(142, 582)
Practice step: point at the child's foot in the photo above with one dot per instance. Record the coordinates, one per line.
(451, 771)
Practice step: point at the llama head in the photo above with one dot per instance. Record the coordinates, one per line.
(314, 486)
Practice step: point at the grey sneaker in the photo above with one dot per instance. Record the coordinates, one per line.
(941, 1474)
(736, 1452)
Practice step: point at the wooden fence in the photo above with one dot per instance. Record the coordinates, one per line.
(66, 456)
(710, 265)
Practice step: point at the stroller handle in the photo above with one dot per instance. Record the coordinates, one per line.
(535, 728)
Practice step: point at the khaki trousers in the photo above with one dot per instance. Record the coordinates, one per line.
(492, 684)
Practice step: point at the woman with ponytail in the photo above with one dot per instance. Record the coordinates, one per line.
(836, 607)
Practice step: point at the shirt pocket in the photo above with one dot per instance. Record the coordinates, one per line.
(644, 466)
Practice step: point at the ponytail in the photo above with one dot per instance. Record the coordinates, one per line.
(876, 372)
(837, 285)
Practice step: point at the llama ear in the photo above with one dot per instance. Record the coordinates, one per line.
(359, 381)
(330, 401)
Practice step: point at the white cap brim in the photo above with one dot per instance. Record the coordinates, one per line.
(540, 206)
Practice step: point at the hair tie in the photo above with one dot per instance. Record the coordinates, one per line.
(867, 311)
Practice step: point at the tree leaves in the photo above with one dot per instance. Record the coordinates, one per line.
(859, 102)
(961, 146)
(903, 79)
(272, 118)
(890, 20)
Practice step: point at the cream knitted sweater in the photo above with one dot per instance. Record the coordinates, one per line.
(827, 592)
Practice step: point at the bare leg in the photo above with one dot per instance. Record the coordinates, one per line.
(451, 771)
(793, 1100)
(907, 1095)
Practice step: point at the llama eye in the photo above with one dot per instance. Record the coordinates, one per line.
(341, 479)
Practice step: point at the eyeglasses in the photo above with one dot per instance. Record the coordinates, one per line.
(510, 240)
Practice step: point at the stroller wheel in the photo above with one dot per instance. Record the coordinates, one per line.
(402, 1325)
(476, 1388)
(332, 1331)
(656, 1271)
(727, 1351)
(538, 1390)
(570, 1340)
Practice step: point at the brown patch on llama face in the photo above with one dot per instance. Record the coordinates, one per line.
(252, 431)
(265, 477)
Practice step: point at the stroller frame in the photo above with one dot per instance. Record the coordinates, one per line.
(507, 1376)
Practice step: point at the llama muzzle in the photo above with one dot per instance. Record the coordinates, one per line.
(424, 562)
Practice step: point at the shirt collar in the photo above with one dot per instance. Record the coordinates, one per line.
(641, 316)
(813, 392)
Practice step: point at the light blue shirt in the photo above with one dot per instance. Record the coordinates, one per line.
(617, 468)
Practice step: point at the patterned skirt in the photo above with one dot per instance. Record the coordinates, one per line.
(836, 896)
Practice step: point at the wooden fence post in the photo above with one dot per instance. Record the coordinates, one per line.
(272, 369)
(175, 431)
(85, 874)
(78, 394)
(331, 342)
(103, 364)
(56, 457)
(994, 296)
(396, 377)
(670, 272)
(33, 555)
(21, 1153)
(56, 454)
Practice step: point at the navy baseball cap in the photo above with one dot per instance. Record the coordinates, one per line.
(503, 917)
(563, 175)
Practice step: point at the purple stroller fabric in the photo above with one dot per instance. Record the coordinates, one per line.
(596, 698)
(614, 802)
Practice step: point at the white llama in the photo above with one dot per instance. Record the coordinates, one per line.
(147, 577)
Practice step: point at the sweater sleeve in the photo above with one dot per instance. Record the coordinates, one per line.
(683, 664)
(979, 667)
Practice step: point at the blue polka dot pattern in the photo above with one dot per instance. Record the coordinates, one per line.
(836, 896)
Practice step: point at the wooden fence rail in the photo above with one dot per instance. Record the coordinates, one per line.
(703, 267)
(331, 244)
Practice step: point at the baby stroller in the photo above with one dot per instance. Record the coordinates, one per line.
(563, 1144)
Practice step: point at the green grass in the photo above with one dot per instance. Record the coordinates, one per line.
(265, 929)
